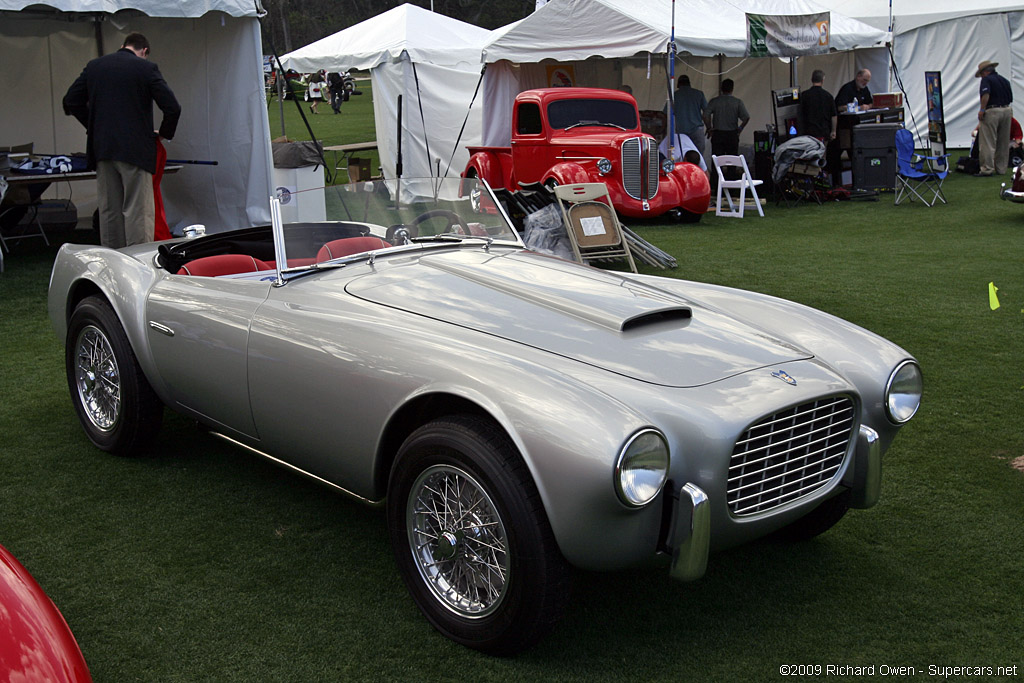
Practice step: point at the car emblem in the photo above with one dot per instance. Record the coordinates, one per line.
(784, 376)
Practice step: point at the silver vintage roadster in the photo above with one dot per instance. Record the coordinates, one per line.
(515, 413)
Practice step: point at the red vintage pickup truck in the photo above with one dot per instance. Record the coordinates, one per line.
(585, 135)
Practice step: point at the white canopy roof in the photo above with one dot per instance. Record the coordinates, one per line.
(568, 30)
(419, 34)
(911, 14)
(152, 8)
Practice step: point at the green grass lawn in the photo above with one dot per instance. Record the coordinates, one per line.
(202, 562)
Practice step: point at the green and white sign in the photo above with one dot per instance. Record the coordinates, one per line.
(787, 36)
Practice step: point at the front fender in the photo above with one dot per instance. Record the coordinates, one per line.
(691, 186)
(568, 173)
(123, 280)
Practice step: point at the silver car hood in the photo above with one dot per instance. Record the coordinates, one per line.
(594, 316)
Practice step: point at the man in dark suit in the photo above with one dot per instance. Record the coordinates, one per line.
(113, 98)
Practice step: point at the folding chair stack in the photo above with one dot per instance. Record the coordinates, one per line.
(918, 176)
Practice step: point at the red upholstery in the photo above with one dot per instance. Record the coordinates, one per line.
(349, 246)
(292, 263)
(223, 264)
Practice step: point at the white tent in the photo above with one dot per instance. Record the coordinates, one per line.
(209, 51)
(710, 38)
(951, 37)
(432, 62)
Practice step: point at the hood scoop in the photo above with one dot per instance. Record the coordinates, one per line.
(677, 316)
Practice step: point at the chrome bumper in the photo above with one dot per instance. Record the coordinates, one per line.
(1010, 195)
(690, 535)
(864, 477)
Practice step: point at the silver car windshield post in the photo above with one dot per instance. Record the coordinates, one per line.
(277, 226)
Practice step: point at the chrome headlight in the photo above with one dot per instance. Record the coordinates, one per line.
(903, 392)
(642, 468)
(667, 166)
(604, 166)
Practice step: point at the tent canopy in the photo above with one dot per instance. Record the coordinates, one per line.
(151, 8)
(569, 30)
(913, 14)
(406, 32)
(209, 51)
(429, 60)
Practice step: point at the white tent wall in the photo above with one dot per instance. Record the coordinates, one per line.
(754, 81)
(955, 48)
(213, 65)
(445, 94)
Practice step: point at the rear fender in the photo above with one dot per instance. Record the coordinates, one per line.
(487, 166)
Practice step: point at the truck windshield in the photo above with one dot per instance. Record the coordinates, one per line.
(565, 113)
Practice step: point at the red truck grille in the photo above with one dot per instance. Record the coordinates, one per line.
(640, 168)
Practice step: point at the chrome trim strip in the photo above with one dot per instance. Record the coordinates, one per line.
(865, 477)
(374, 503)
(162, 329)
(691, 537)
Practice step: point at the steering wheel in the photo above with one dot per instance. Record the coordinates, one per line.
(399, 233)
(454, 219)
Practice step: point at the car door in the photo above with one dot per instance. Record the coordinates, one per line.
(198, 330)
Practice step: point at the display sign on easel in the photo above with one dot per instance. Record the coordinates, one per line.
(936, 120)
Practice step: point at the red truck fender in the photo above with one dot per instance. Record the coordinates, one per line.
(693, 187)
(486, 165)
(568, 173)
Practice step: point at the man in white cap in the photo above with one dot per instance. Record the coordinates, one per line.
(994, 119)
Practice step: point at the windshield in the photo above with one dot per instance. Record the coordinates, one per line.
(323, 226)
(389, 214)
(567, 113)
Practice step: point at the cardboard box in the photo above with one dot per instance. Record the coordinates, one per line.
(358, 169)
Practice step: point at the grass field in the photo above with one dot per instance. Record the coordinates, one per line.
(201, 562)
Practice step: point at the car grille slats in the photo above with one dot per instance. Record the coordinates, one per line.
(640, 168)
(789, 455)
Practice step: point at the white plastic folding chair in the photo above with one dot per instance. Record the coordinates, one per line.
(745, 182)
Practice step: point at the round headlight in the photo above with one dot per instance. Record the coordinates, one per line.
(642, 468)
(903, 392)
(604, 166)
(667, 166)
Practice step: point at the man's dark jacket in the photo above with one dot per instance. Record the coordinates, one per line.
(113, 98)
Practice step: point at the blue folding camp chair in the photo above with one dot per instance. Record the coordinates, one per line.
(917, 175)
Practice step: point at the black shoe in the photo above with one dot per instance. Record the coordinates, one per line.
(982, 175)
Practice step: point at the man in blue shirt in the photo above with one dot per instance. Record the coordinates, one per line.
(690, 105)
(994, 120)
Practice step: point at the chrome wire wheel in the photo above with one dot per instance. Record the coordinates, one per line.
(97, 378)
(458, 541)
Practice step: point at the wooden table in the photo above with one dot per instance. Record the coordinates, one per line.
(343, 153)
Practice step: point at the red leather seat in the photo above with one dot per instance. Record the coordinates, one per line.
(223, 264)
(349, 246)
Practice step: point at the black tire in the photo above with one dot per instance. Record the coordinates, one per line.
(509, 583)
(118, 409)
(817, 521)
(688, 217)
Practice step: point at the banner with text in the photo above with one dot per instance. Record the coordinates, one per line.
(787, 36)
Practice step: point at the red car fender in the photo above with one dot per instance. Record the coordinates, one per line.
(487, 166)
(568, 173)
(692, 187)
(35, 641)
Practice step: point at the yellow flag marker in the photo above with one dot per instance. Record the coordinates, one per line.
(993, 300)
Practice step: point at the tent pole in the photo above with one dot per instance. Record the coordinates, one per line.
(671, 87)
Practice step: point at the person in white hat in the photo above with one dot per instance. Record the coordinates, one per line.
(994, 119)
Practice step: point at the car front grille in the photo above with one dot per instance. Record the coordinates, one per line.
(640, 168)
(789, 454)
